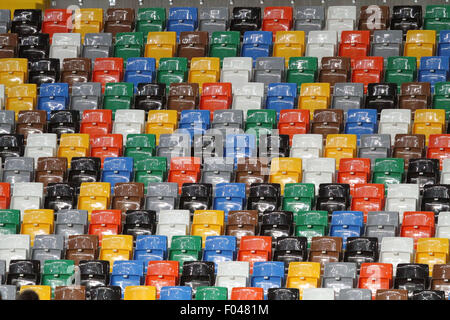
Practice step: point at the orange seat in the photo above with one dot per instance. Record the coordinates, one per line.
(184, 170)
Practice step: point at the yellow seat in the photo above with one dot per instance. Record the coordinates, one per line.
(36, 222)
(13, 72)
(161, 122)
(204, 70)
(286, 170)
(314, 96)
(432, 251)
(140, 293)
(161, 45)
(44, 292)
(303, 275)
(21, 97)
(94, 196)
(420, 43)
(115, 248)
(73, 145)
(429, 121)
(289, 44)
(340, 146)
(208, 223)
(88, 20)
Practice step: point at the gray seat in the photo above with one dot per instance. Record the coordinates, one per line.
(161, 196)
(18, 170)
(8, 292)
(86, 96)
(375, 146)
(213, 19)
(177, 144)
(269, 70)
(228, 119)
(71, 222)
(5, 20)
(217, 170)
(355, 294)
(307, 18)
(387, 43)
(7, 121)
(48, 247)
(347, 96)
(382, 224)
(339, 275)
(209, 144)
(97, 45)
(2, 271)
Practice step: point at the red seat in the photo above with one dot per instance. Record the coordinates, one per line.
(109, 145)
(5, 195)
(184, 170)
(367, 197)
(374, 276)
(105, 222)
(216, 96)
(293, 121)
(107, 70)
(56, 21)
(96, 122)
(161, 274)
(417, 224)
(353, 171)
(255, 248)
(354, 44)
(367, 70)
(277, 19)
(247, 293)
(439, 147)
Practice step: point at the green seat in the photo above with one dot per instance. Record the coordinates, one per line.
(129, 45)
(388, 171)
(118, 96)
(260, 121)
(172, 70)
(58, 273)
(225, 44)
(437, 17)
(185, 248)
(150, 20)
(400, 70)
(441, 97)
(140, 146)
(211, 293)
(302, 70)
(9, 221)
(149, 170)
(311, 224)
(298, 197)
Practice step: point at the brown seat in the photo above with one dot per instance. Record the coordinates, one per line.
(415, 95)
(70, 293)
(183, 96)
(440, 279)
(8, 45)
(76, 70)
(193, 44)
(82, 247)
(325, 250)
(128, 196)
(367, 11)
(119, 20)
(327, 121)
(370, 19)
(51, 170)
(334, 70)
(391, 294)
(31, 121)
(242, 223)
(252, 170)
(409, 146)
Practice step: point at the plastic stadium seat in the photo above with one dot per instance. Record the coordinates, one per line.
(439, 279)
(107, 293)
(428, 295)
(409, 146)
(70, 293)
(211, 293)
(65, 45)
(224, 44)
(306, 146)
(424, 172)
(96, 122)
(236, 70)
(406, 18)
(387, 43)
(150, 19)
(105, 222)
(150, 248)
(354, 44)
(192, 44)
(321, 44)
(247, 293)
(215, 96)
(302, 275)
(318, 294)
(400, 70)
(285, 170)
(293, 122)
(140, 70)
(160, 45)
(127, 273)
(37, 222)
(48, 247)
(367, 70)
(94, 196)
(217, 170)
(71, 222)
(269, 70)
(277, 224)
(140, 293)
(242, 223)
(432, 251)
(340, 146)
(219, 248)
(264, 197)
(18, 170)
(173, 223)
(346, 224)
(82, 247)
(354, 171)
(119, 20)
(9, 221)
(116, 247)
(23, 272)
(339, 276)
(97, 45)
(290, 249)
(84, 169)
(172, 70)
(207, 223)
(277, 19)
(255, 248)
(229, 197)
(314, 96)
(309, 18)
(401, 198)
(232, 274)
(442, 224)
(361, 250)
(182, 19)
(325, 250)
(76, 70)
(436, 17)
(395, 250)
(43, 291)
(88, 21)
(429, 122)
(183, 96)
(245, 19)
(257, 44)
(391, 294)
(367, 197)
(420, 43)
(283, 294)
(411, 277)
(86, 96)
(298, 197)
(375, 276)
(341, 18)
(13, 71)
(108, 145)
(418, 224)
(302, 70)
(289, 44)
(213, 19)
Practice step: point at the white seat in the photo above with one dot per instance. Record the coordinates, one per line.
(443, 225)
(318, 294)
(394, 121)
(65, 45)
(27, 195)
(321, 44)
(129, 121)
(173, 223)
(445, 172)
(341, 18)
(307, 146)
(41, 145)
(317, 178)
(320, 165)
(402, 197)
(14, 247)
(323, 37)
(237, 70)
(248, 96)
(396, 250)
(2, 96)
(232, 274)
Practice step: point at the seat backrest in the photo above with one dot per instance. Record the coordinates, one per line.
(416, 88)
(409, 141)
(344, 89)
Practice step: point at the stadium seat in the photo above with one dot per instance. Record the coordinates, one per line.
(302, 275)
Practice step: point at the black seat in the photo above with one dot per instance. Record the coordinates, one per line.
(150, 96)
(64, 121)
(423, 172)
(406, 18)
(274, 146)
(60, 196)
(35, 46)
(24, 272)
(264, 197)
(196, 274)
(428, 295)
(361, 250)
(26, 21)
(245, 19)
(411, 276)
(333, 197)
(381, 96)
(196, 196)
(140, 222)
(94, 273)
(277, 224)
(84, 169)
(291, 249)
(44, 70)
(105, 293)
(436, 198)
(11, 145)
(283, 294)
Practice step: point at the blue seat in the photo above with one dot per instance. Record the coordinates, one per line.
(175, 293)
(257, 44)
(219, 248)
(361, 121)
(268, 275)
(118, 169)
(434, 69)
(240, 146)
(127, 273)
(281, 96)
(444, 43)
(140, 70)
(346, 224)
(194, 121)
(182, 19)
(53, 96)
(150, 248)
(229, 197)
